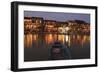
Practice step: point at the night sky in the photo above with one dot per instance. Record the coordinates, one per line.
(58, 16)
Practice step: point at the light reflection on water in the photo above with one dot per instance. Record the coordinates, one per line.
(51, 38)
(79, 44)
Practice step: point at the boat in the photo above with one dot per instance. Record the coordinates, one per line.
(58, 51)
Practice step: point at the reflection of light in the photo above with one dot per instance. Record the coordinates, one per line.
(85, 39)
(88, 38)
(73, 36)
(28, 40)
(61, 38)
(31, 39)
(49, 38)
(78, 37)
(66, 38)
(55, 37)
(69, 42)
(35, 37)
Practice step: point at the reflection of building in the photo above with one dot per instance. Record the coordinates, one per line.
(38, 24)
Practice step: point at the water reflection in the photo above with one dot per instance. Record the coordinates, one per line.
(51, 38)
(79, 45)
(28, 39)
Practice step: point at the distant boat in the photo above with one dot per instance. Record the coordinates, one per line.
(58, 51)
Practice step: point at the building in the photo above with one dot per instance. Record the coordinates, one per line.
(50, 26)
(63, 27)
(27, 24)
(39, 25)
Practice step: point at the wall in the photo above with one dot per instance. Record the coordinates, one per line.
(5, 35)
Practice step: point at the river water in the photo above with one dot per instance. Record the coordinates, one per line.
(36, 46)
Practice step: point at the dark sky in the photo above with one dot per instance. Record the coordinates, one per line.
(58, 16)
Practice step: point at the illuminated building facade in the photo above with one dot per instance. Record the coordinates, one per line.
(39, 25)
(63, 27)
(50, 26)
